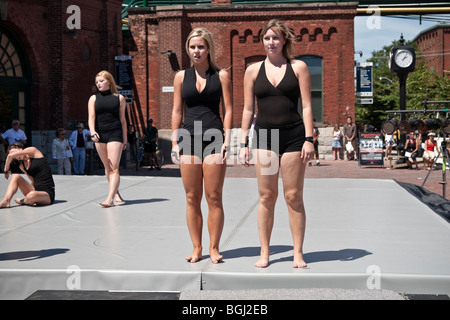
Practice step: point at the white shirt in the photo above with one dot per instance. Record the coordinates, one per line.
(12, 136)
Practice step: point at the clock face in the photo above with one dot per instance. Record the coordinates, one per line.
(403, 58)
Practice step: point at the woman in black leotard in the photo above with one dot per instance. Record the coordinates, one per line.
(284, 138)
(200, 146)
(108, 128)
(41, 190)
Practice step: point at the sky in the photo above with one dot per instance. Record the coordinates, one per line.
(375, 32)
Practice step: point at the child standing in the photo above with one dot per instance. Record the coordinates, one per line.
(336, 144)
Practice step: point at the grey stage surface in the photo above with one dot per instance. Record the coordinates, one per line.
(361, 234)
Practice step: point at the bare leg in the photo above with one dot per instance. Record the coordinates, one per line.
(110, 154)
(268, 194)
(214, 175)
(16, 182)
(293, 173)
(192, 176)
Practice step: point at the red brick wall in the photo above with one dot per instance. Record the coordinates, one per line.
(62, 77)
(433, 45)
(324, 30)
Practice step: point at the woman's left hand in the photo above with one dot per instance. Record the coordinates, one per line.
(307, 151)
(225, 153)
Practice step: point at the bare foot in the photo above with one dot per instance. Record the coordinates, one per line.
(299, 262)
(215, 256)
(195, 256)
(118, 199)
(4, 204)
(19, 201)
(107, 204)
(263, 262)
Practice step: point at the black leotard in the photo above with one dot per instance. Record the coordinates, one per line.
(107, 117)
(279, 126)
(202, 106)
(42, 175)
(277, 106)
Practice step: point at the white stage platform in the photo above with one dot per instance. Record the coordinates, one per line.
(361, 234)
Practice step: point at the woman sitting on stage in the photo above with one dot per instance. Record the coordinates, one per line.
(41, 190)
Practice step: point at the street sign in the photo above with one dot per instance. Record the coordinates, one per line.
(124, 74)
(364, 79)
(364, 101)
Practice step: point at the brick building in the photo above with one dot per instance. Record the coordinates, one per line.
(434, 46)
(50, 52)
(52, 49)
(325, 41)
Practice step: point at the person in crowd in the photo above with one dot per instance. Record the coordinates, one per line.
(77, 141)
(62, 153)
(283, 138)
(411, 150)
(350, 133)
(132, 141)
(108, 128)
(15, 134)
(202, 145)
(3, 147)
(151, 139)
(430, 151)
(336, 143)
(31, 162)
(389, 143)
(316, 134)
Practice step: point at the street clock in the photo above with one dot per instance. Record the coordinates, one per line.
(402, 59)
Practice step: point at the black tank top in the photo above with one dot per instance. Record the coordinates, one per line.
(107, 111)
(41, 173)
(277, 106)
(202, 106)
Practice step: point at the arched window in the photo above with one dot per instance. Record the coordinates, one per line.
(314, 64)
(14, 82)
(10, 62)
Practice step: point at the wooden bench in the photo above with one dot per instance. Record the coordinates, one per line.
(393, 159)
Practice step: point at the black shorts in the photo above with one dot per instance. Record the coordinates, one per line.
(288, 138)
(150, 146)
(200, 146)
(49, 190)
(110, 136)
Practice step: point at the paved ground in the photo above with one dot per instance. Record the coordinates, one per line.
(327, 169)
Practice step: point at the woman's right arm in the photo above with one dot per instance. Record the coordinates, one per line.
(177, 113)
(91, 118)
(248, 111)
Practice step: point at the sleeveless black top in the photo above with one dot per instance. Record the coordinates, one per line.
(277, 106)
(41, 173)
(107, 111)
(202, 106)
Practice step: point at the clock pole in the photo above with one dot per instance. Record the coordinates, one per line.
(402, 80)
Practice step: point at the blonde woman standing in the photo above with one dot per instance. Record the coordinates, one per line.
(199, 91)
(108, 128)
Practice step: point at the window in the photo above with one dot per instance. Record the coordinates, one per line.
(10, 64)
(314, 64)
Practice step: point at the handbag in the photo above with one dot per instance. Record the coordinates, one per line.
(89, 145)
(69, 153)
(349, 146)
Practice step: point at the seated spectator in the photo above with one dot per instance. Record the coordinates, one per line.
(411, 150)
(430, 151)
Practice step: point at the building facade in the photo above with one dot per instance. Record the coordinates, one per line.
(51, 51)
(434, 46)
(324, 40)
